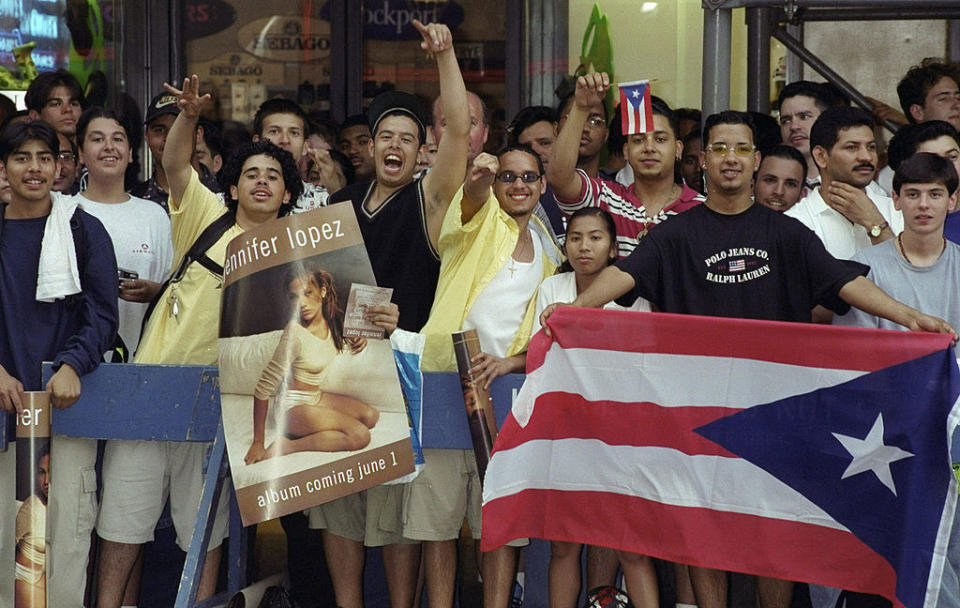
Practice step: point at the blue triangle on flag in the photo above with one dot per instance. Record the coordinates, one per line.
(793, 440)
(634, 93)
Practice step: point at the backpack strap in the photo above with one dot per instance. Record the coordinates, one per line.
(79, 239)
(197, 253)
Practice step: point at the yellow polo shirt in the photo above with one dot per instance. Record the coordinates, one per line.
(471, 255)
(191, 337)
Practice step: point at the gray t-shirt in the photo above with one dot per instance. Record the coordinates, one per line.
(934, 290)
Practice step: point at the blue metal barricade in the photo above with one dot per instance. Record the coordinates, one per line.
(182, 403)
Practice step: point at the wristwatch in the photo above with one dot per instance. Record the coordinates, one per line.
(875, 231)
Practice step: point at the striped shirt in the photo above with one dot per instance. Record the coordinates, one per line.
(629, 214)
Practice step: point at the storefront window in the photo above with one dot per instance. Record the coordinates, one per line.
(393, 60)
(247, 52)
(80, 36)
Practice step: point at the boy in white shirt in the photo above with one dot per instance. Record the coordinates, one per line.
(139, 229)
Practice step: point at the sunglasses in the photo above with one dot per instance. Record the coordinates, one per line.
(739, 149)
(509, 177)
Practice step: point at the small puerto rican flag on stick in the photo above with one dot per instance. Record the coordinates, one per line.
(635, 107)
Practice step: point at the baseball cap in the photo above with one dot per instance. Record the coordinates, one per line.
(164, 103)
(397, 102)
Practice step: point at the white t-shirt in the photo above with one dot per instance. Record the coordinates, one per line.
(563, 288)
(140, 231)
(498, 311)
(841, 237)
(884, 181)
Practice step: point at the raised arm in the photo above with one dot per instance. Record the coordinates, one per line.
(326, 171)
(865, 295)
(178, 150)
(446, 177)
(476, 189)
(562, 173)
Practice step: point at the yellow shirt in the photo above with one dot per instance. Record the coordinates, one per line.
(191, 337)
(471, 255)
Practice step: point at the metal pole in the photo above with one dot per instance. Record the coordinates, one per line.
(878, 14)
(516, 82)
(794, 64)
(716, 61)
(346, 67)
(824, 70)
(758, 59)
(338, 64)
(354, 50)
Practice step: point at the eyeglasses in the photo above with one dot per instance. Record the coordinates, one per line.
(67, 157)
(509, 177)
(594, 120)
(720, 149)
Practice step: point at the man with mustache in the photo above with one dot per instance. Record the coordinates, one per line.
(840, 211)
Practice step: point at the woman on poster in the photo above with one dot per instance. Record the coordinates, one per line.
(30, 570)
(308, 417)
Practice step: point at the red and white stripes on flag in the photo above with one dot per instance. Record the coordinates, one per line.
(607, 444)
(636, 111)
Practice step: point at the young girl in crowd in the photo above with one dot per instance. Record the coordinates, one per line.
(308, 417)
(590, 247)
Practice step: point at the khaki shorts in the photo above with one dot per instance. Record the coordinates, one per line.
(373, 517)
(139, 476)
(445, 492)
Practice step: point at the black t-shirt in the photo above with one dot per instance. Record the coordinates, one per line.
(397, 242)
(758, 264)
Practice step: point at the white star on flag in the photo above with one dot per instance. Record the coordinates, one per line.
(636, 94)
(870, 454)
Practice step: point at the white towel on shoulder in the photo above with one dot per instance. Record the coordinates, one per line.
(58, 275)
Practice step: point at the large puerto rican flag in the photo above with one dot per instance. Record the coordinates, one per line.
(805, 452)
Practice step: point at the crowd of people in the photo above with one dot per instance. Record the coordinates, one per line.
(95, 264)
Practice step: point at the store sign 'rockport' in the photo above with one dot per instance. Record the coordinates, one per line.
(286, 38)
(393, 19)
